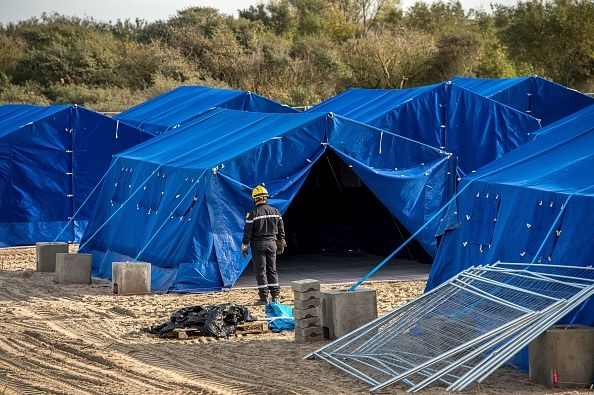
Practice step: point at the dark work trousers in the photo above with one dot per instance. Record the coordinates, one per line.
(264, 260)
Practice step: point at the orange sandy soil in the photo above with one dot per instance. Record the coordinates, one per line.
(81, 339)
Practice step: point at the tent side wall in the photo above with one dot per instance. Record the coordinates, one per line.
(193, 245)
(481, 130)
(185, 103)
(474, 128)
(96, 139)
(51, 165)
(532, 205)
(516, 93)
(35, 182)
(150, 212)
(259, 103)
(551, 102)
(141, 115)
(535, 96)
(513, 224)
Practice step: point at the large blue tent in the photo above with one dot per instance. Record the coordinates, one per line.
(51, 158)
(533, 205)
(174, 108)
(543, 99)
(179, 200)
(476, 129)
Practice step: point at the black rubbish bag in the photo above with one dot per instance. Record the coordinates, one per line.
(218, 320)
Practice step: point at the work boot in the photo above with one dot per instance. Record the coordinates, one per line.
(275, 299)
(261, 302)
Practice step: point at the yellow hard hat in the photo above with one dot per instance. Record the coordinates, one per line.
(259, 191)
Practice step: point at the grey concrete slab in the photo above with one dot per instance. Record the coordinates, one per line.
(338, 269)
(305, 285)
(306, 304)
(563, 357)
(344, 311)
(73, 268)
(303, 296)
(309, 335)
(46, 255)
(130, 278)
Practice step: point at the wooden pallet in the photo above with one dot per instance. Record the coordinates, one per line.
(186, 333)
(252, 327)
(242, 329)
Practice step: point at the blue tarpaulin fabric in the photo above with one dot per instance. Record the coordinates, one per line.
(535, 204)
(284, 317)
(476, 129)
(180, 105)
(51, 158)
(179, 200)
(540, 98)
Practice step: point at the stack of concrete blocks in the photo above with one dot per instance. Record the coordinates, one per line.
(308, 324)
(46, 255)
(73, 268)
(129, 278)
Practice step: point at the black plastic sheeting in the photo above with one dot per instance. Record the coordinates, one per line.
(218, 320)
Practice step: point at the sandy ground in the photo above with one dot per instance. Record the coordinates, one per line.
(81, 339)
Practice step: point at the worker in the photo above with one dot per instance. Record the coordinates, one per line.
(265, 232)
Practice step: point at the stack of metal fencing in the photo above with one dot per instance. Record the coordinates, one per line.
(463, 330)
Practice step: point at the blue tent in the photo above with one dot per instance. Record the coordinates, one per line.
(179, 200)
(51, 158)
(535, 204)
(543, 99)
(476, 129)
(182, 104)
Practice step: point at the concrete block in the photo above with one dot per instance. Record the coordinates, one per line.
(313, 294)
(344, 311)
(131, 277)
(46, 255)
(308, 335)
(306, 304)
(73, 268)
(308, 322)
(306, 313)
(566, 350)
(305, 285)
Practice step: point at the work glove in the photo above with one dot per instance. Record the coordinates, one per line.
(244, 250)
(280, 246)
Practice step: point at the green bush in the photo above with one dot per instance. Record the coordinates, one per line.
(28, 94)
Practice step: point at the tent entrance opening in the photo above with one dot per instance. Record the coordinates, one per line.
(334, 212)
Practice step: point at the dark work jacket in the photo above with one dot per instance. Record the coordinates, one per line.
(263, 223)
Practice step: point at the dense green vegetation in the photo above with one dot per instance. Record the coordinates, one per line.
(298, 52)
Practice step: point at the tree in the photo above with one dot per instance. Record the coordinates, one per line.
(386, 60)
(28, 93)
(555, 37)
(494, 62)
(208, 19)
(365, 12)
(65, 50)
(278, 15)
(139, 63)
(12, 50)
(436, 17)
(317, 69)
(458, 53)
